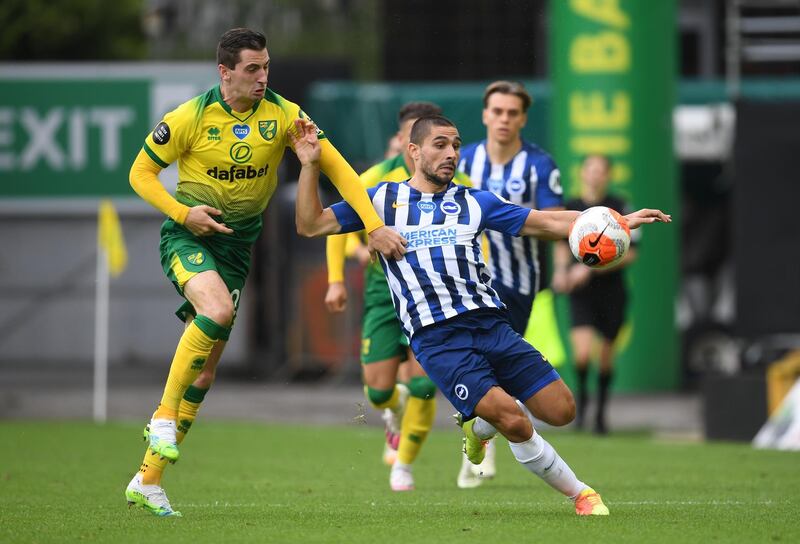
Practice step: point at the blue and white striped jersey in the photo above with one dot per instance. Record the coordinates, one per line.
(442, 273)
(532, 180)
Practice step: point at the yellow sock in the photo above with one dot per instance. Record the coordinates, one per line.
(153, 465)
(193, 349)
(417, 423)
(187, 412)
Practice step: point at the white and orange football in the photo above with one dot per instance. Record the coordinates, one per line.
(599, 237)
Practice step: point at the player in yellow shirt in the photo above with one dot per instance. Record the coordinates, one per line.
(228, 143)
(409, 409)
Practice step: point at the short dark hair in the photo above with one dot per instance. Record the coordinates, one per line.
(422, 126)
(508, 87)
(415, 110)
(234, 41)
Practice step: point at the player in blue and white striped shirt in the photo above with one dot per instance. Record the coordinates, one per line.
(459, 329)
(522, 173)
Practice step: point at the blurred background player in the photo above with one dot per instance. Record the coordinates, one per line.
(598, 298)
(444, 299)
(228, 143)
(408, 408)
(522, 173)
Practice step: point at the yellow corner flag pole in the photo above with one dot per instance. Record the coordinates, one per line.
(112, 257)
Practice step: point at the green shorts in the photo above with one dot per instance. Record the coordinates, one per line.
(184, 255)
(382, 337)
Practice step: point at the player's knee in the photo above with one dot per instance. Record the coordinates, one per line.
(211, 327)
(562, 412)
(422, 387)
(221, 312)
(378, 397)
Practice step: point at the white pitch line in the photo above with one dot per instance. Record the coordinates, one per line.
(629, 503)
(507, 503)
(700, 503)
(228, 505)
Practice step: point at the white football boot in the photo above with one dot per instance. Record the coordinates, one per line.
(150, 497)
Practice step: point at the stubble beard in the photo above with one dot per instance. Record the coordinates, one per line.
(439, 181)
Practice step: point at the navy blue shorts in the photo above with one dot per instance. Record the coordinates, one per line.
(519, 306)
(469, 354)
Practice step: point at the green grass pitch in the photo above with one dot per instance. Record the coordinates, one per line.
(237, 482)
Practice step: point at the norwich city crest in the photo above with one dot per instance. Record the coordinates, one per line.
(268, 129)
(196, 258)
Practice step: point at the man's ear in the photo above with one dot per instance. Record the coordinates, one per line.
(413, 150)
(223, 72)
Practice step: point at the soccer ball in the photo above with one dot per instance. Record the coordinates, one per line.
(599, 237)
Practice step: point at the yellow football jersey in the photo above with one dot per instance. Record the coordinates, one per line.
(226, 159)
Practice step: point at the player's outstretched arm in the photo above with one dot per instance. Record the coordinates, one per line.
(381, 239)
(310, 218)
(548, 225)
(555, 225)
(346, 181)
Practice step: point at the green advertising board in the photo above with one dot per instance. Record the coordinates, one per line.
(614, 88)
(70, 138)
(73, 129)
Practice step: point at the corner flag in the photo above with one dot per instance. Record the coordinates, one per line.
(543, 326)
(112, 257)
(110, 238)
